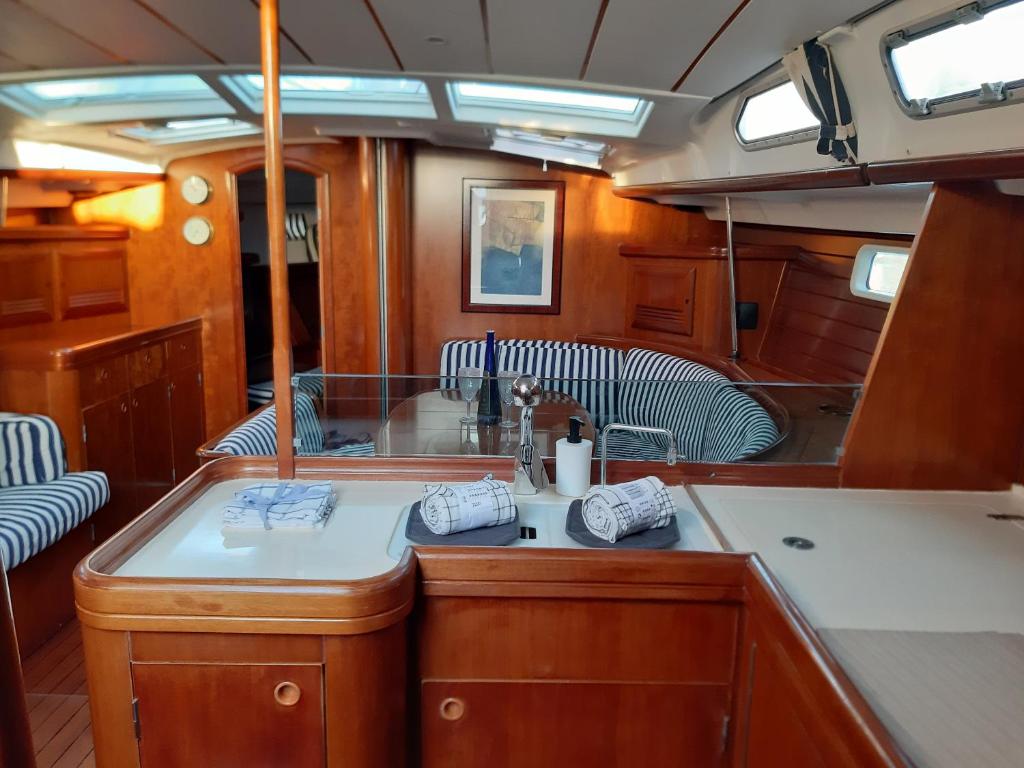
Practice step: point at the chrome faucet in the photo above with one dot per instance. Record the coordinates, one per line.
(670, 459)
(530, 476)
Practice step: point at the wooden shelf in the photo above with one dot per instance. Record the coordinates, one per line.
(822, 178)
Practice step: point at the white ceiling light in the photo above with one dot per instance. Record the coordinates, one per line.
(35, 154)
(558, 149)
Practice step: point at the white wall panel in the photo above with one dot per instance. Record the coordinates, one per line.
(650, 43)
(409, 24)
(540, 38)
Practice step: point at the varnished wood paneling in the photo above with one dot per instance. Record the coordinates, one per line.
(205, 648)
(209, 714)
(186, 419)
(593, 274)
(941, 407)
(26, 285)
(171, 280)
(823, 178)
(15, 735)
(92, 280)
(550, 724)
(400, 290)
(108, 669)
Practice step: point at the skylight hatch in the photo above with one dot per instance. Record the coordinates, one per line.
(180, 131)
(550, 109)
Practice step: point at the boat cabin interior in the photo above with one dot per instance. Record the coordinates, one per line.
(508, 383)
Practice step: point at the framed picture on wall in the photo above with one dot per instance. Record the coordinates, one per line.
(512, 246)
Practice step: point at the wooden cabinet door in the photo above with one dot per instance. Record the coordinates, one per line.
(557, 724)
(187, 428)
(243, 715)
(151, 433)
(108, 448)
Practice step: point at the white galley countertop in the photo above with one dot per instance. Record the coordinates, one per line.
(364, 537)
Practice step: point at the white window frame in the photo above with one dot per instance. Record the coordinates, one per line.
(862, 270)
(954, 103)
(778, 140)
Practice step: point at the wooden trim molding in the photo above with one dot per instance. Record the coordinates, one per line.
(711, 252)
(820, 178)
(995, 164)
(61, 232)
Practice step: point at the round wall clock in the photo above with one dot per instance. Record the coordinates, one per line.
(195, 190)
(197, 230)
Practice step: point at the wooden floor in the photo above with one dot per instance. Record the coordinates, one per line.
(58, 702)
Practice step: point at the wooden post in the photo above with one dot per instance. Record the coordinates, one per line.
(279, 297)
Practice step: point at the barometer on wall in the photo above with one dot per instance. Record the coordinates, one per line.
(195, 190)
(197, 230)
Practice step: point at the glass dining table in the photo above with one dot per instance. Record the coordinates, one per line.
(427, 424)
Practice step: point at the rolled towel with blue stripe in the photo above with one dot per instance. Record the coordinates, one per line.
(448, 509)
(615, 511)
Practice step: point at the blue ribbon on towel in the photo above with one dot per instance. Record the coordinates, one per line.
(285, 492)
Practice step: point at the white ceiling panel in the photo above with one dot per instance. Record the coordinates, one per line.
(761, 35)
(650, 43)
(7, 64)
(29, 38)
(230, 29)
(337, 33)
(458, 22)
(540, 38)
(138, 36)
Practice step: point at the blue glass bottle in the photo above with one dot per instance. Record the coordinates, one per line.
(489, 412)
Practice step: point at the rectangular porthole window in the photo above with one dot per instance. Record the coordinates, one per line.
(549, 109)
(108, 99)
(965, 59)
(877, 271)
(339, 95)
(775, 116)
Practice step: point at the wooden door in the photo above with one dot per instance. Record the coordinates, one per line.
(555, 724)
(108, 448)
(187, 430)
(151, 437)
(244, 715)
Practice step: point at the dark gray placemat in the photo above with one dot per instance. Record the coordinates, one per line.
(652, 538)
(496, 536)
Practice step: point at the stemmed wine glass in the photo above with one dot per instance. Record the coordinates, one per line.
(470, 382)
(505, 381)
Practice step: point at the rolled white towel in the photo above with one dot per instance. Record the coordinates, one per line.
(615, 511)
(448, 509)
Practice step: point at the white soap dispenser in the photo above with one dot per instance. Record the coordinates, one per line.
(572, 461)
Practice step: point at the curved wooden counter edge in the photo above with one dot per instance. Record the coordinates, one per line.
(105, 601)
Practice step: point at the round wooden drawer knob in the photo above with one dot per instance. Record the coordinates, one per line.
(453, 709)
(287, 694)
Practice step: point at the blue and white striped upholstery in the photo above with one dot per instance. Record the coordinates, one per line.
(31, 450)
(311, 382)
(585, 372)
(258, 435)
(712, 419)
(32, 517)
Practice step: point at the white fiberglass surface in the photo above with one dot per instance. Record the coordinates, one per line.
(959, 58)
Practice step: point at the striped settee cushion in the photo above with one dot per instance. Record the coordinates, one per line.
(712, 419)
(31, 450)
(585, 372)
(33, 517)
(311, 382)
(257, 436)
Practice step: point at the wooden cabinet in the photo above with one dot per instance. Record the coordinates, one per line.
(128, 404)
(252, 715)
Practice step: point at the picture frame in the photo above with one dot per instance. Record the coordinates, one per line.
(512, 246)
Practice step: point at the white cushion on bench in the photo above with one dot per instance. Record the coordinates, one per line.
(713, 420)
(33, 517)
(31, 450)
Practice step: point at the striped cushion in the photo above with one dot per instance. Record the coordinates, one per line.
(257, 436)
(32, 517)
(585, 372)
(312, 382)
(713, 420)
(31, 450)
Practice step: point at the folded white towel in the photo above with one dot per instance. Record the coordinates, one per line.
(280, 505)
(447, 509)
(615, 511)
